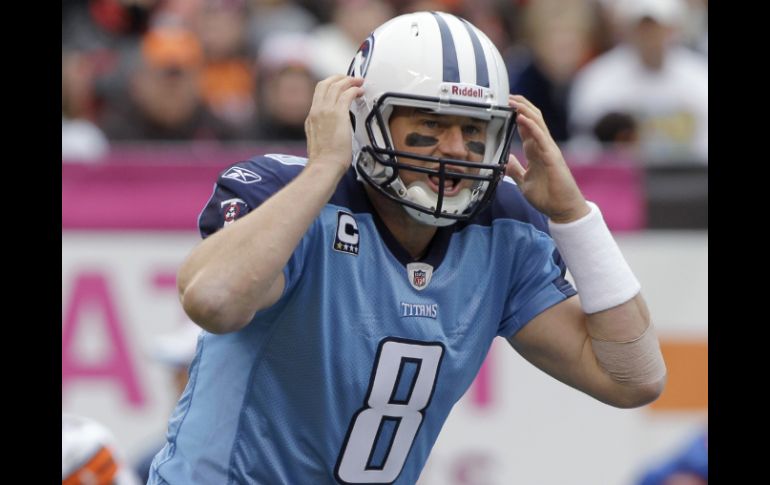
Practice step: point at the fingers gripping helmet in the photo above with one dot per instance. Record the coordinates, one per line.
(440, 63)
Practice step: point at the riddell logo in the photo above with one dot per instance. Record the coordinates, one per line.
(467, 91)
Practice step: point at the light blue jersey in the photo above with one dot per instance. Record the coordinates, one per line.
(350, 376)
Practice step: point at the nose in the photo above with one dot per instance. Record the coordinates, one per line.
(452, 143)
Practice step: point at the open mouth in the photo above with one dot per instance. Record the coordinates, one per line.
(451, 184)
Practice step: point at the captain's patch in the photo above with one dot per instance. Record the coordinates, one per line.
(346, 237)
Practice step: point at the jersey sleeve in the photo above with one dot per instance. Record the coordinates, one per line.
(538, 282)
(242, 188)
(509, 203)
(224, 207)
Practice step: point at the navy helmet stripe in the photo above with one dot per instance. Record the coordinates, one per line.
(451, 69)
(482, 75)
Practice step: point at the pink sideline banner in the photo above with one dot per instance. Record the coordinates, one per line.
(165, 189)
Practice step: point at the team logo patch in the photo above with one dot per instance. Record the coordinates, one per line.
(242, 175)
(346, 237)
(419, 275)
(232, 209)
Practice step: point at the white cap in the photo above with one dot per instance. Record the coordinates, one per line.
(177, 348)
(286, 49)
(665, 12)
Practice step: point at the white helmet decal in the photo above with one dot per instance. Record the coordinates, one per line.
(362, 58)
(440, 63)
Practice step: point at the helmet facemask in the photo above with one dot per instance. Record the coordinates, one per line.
(379, 163)
(440, 64)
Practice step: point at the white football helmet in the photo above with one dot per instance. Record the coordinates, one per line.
(441, 63)
(89, 454)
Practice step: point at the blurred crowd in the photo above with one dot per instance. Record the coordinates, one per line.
(629, 73)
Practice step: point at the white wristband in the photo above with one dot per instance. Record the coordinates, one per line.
(602, 276)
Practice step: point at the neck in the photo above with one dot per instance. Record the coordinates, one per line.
(412, 235)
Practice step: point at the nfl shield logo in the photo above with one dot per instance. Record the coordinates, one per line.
(419, 278)
(419, 275)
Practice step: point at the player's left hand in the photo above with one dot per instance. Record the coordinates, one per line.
(547, 182)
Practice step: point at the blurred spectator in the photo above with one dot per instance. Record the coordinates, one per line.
(101, 32)
(270, 17)
(407, 6)
(694, 30)
(616, 128)
(89, 454)
(93, 25)
(163, 101)
(177, 12)
(689, 466)
(336, 42)
(175, 351)
(560, 37)
(496, 18)
(76, 85)
(228, 80)
(286, 86)
(664, 86)
(80, 138)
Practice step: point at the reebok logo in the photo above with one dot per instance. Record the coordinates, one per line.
(242, 175)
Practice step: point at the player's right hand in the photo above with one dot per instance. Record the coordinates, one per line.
(327, 126)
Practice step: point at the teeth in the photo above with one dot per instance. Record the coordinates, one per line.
(448, 183)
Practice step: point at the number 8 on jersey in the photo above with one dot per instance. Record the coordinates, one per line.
(381, 433)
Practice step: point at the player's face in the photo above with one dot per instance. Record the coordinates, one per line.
(441, 136)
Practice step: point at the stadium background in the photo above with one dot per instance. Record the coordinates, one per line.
(128, 223)
(129, 211)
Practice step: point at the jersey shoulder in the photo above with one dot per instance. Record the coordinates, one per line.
(245, 185)
(261, 174)
(509, 203)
